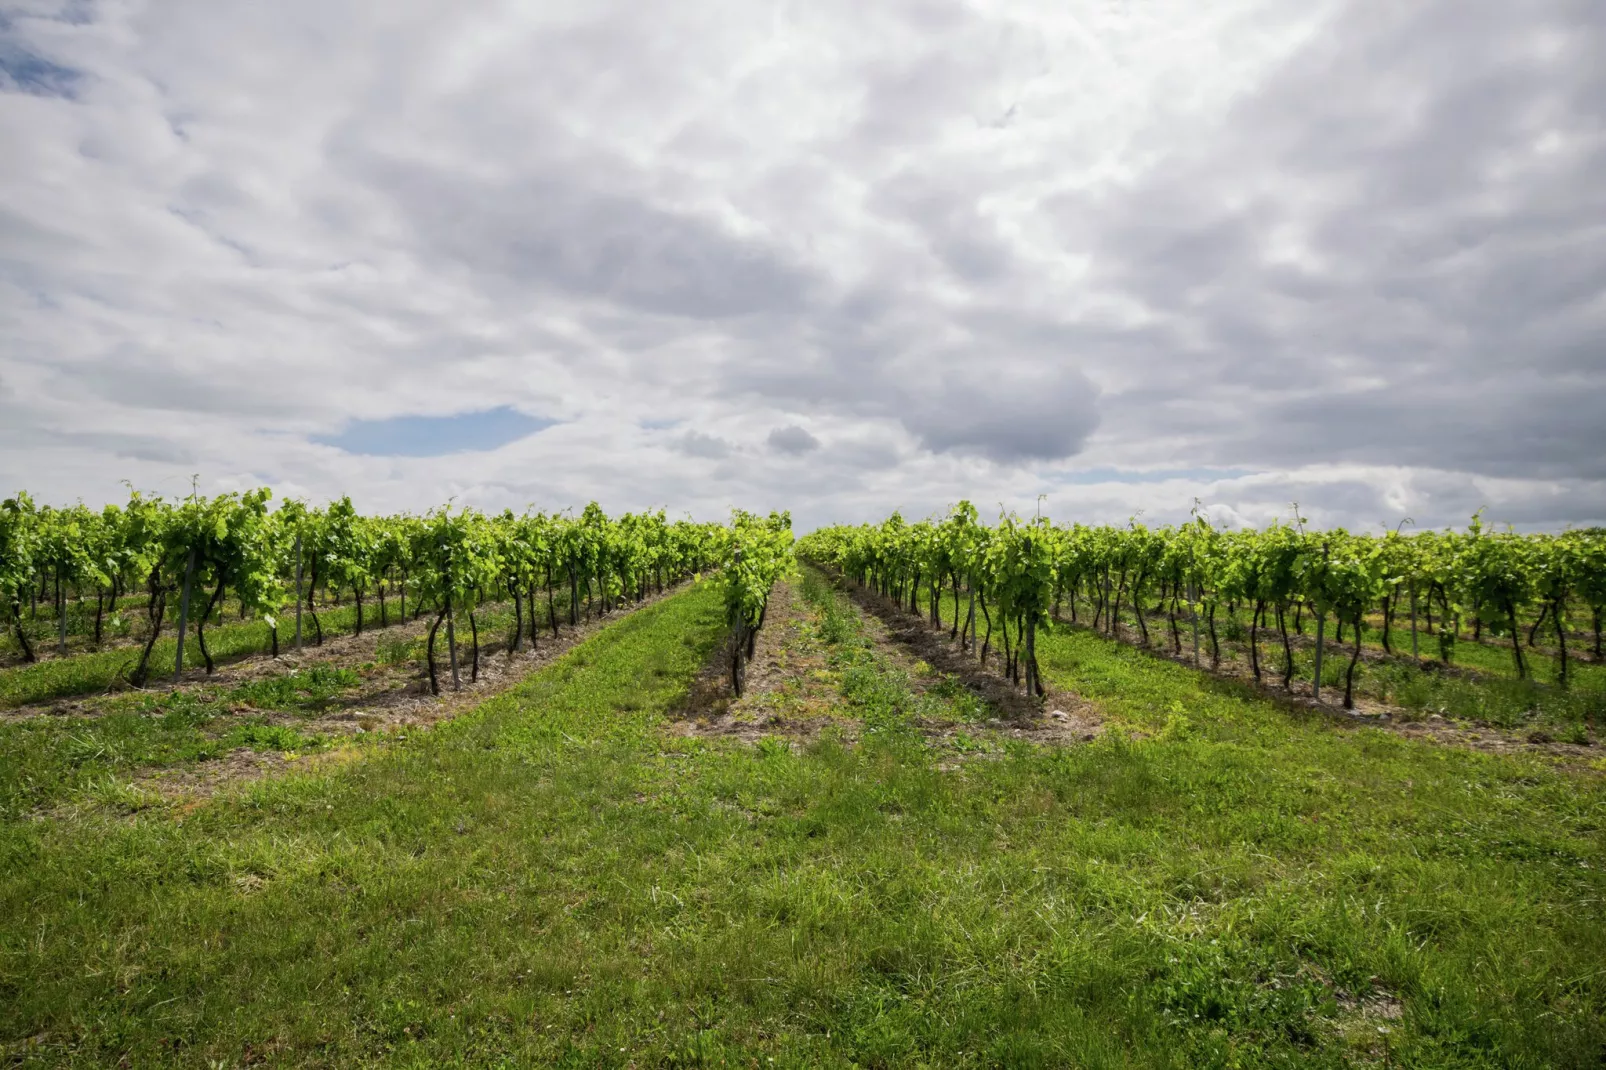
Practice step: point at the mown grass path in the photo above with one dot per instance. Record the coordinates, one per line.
(555, 880)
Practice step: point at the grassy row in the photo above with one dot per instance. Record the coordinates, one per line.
(122, 623)
(1486, 658)
(84, 674)
(42, 626)
(553, 880)
(873, 691)
(1486, 690)
(1490, 693)
(46, 760)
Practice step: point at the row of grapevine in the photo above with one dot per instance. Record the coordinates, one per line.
(760, 551)
(1450, 581)
(185, 556)
(1009, 569)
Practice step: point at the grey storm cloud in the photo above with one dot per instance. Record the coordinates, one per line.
(1382, 255)
(792, 440)
(546, 233)
(1008, 414)
(697, 444)
(1350, 253)
(135, 447)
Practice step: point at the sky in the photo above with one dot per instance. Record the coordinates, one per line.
(1097, 258)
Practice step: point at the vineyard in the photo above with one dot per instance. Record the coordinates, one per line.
(156, 568)
(287, 785)
(1427, 592)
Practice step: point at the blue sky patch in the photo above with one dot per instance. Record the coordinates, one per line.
(21, 70)
(435, 436)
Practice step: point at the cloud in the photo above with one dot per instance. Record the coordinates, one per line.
(1347, 253)
(559, 234)
(697, 444)
(792, 440)
(1378, 256)
(1008, 413)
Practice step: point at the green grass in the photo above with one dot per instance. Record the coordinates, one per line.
(399, 650)
(873, 691)
(126, 619)
(84, 674)
(44, 760)
(117, 621)
(1483, 688)
(313, 689)
(1491, 658)
(88, 673)
(554, 880)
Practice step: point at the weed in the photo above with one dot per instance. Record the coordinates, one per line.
(312, 689)
(259, 735)
(82, 674)
(398, 651)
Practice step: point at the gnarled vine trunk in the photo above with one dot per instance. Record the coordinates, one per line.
(200, 622)
(1349, 676)
(429, 652)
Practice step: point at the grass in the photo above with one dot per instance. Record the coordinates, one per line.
(871, 689)
(126, 620)
(84, 674)
(315, 689)
(1482, 687)
(1491, 657)
(44, 760)
(42, 627)
(553, 880)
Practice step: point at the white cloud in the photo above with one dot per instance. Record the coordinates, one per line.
(1353, 249)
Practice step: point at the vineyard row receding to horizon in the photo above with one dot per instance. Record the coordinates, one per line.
(154, 570)
(1426, 591)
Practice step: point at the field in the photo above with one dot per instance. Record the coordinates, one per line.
(881, 854)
